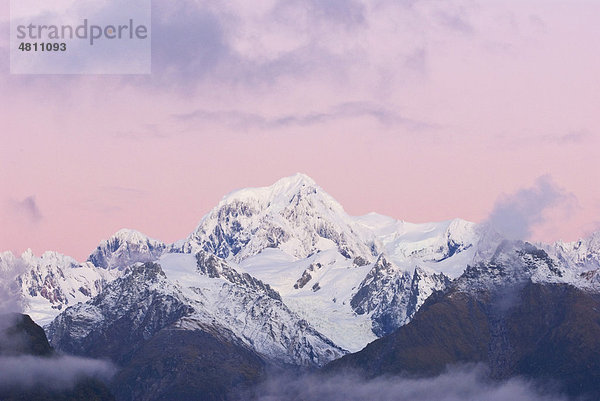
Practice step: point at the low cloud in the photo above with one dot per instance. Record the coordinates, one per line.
(459, 384)
(516, 215)
(56, 373)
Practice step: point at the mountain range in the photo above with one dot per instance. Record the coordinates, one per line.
(281, 278)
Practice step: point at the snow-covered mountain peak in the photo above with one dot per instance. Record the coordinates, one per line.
(294, 215)
(581, 255)
(27, 254)
(459, 228)
(299, 218)
(488, 241)
(129, 235)
(124, 248)
(50, 282)
(376, 221)
(298, 177)
(446, 246)
(7, 259)
(595, 237)
(7, 254)
(292, 184)
(592, 238)
(207, 294)
(49, 258)
(280, 194)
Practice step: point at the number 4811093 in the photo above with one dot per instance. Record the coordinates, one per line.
(44, 47)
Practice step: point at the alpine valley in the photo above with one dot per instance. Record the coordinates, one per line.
(282, 279)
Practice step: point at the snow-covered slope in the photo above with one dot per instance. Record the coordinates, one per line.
(47, 284)
(353, 278)
(249, 308)
(445, 247)
(319, 289)
(195, 293)
(125, 248)
(295, 237)
(352, 304)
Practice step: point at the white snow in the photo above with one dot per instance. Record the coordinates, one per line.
(294, 214)
(51, 282)
(410, 244)
(181, 269)
(327, 309)
(247, 312)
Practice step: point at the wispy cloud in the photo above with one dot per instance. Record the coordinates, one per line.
(27, 208)
(456, 21)
(238, 119)
(125, 191)
(574, 137)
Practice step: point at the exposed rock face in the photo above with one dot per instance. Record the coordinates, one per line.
(189, 365)
(19, 335)
(393, 296)
(550, 332)
(214, 267)
(115, 323)
(221, 321)
(147, 326)
(592, 277)
(306, 276)
(513, 314)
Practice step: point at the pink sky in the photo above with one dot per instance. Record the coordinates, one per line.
(423, 111)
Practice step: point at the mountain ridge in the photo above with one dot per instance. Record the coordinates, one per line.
(284, 276)
(287, 230)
